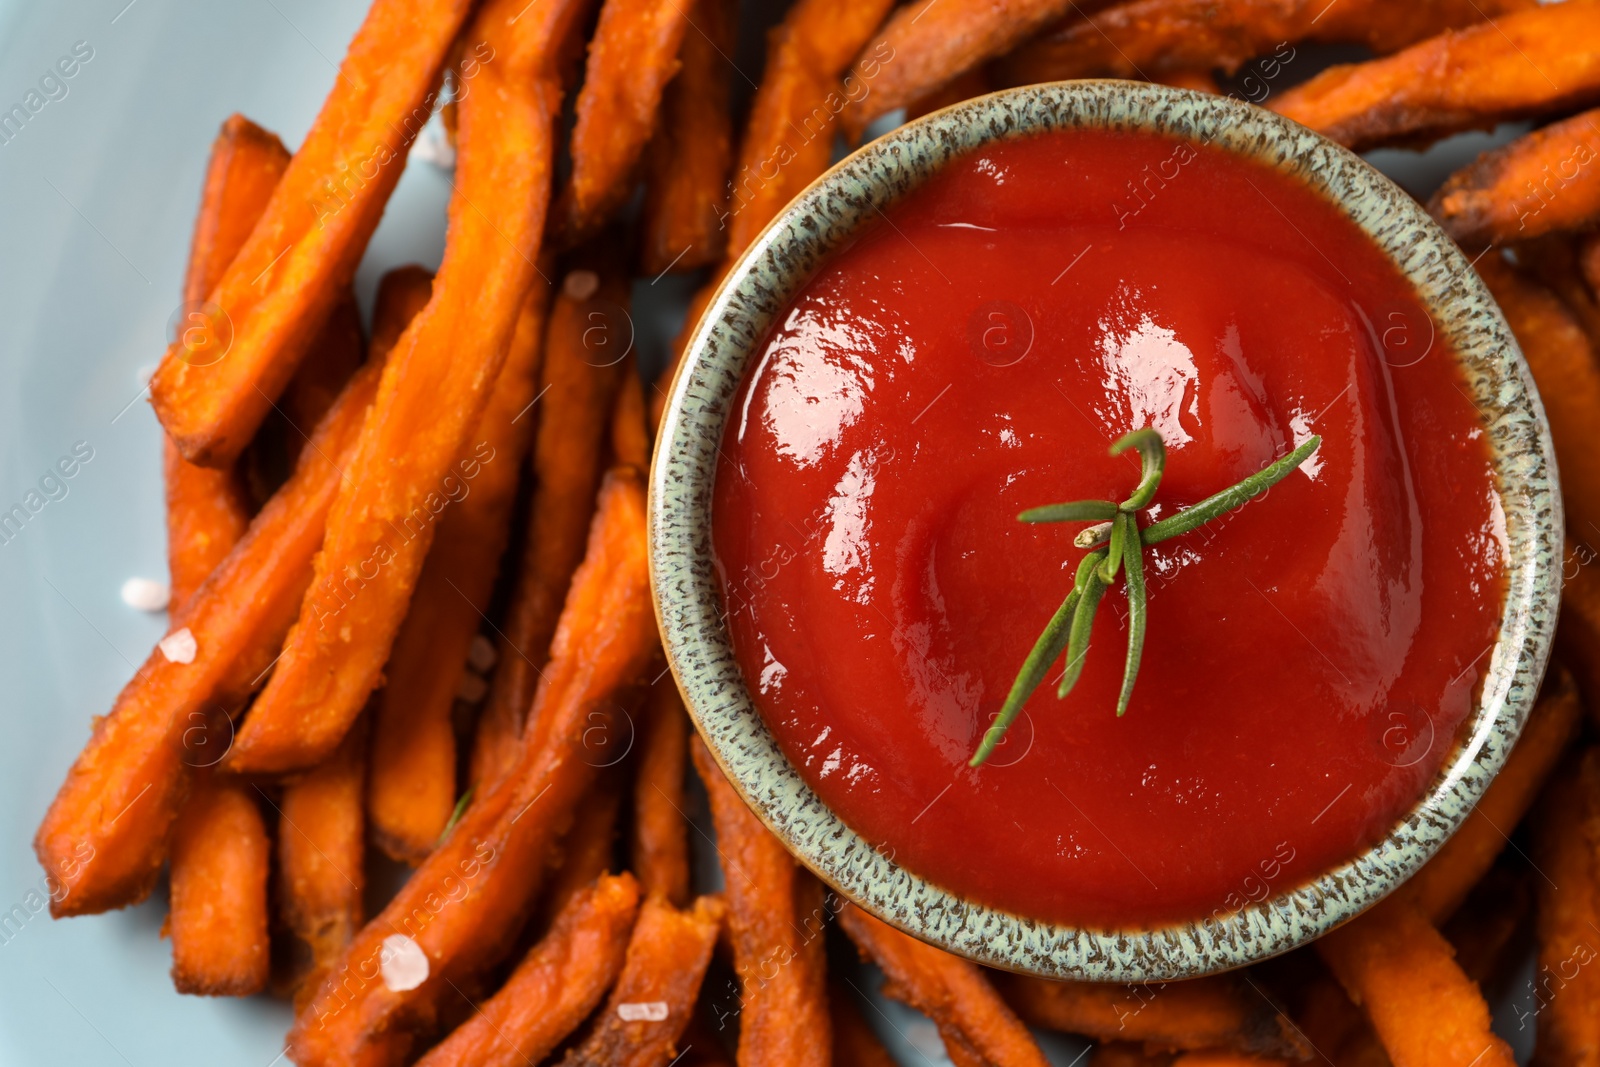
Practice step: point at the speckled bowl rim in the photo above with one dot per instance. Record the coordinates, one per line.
(687, 594)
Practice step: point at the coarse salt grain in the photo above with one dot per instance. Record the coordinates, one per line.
(482, 655)
(650, 1011)
(179, 646)
(472, 688)
(580, 285)
(402, 963)
(146, 594)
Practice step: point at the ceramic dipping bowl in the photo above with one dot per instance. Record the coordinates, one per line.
(688, 599)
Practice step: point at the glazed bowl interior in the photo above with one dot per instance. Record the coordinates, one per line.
(688, 598)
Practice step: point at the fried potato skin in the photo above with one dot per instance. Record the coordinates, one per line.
(321, 854)
(775, 920)
(687, 164)
(1566, 839)
(1578, 631)
(788, 140)
(466, 901)
(666, 961)
(927, 43)
(435, 388)
(1426, 1011)
(1563, 362)
(297, 262)
(632, 57)
(207, 511)
(1544, 182)
(577, 389)
(412, 788)
(1589, 263)
(1445, 880)
(1203, 1013)
(1520, 65)
(976, 1025)
(1152, 38)
(110, 821)
(218, 921)
(660, 843)
(555, 986)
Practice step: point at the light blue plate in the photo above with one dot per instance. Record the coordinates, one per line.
(97, 197)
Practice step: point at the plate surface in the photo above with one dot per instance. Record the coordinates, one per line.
(99, 192)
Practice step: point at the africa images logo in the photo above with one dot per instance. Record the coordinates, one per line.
(52, 86)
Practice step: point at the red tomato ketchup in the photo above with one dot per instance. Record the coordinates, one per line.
(1309, 657)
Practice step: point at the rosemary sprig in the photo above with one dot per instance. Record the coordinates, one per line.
(1117, 542)
(459, 810)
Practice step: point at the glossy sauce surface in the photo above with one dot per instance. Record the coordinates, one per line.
(1309, 657)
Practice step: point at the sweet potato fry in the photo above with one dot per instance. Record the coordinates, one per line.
(1564, 367)
(1555, 260)
(212, 392)
(245, 166)
(655, 994)
(973, 83)
(206, 508)
(976, 1025)
(775, 917)
(218, 921)
(333, 357)
(434, 391)
(579, 381)
(1443, 883)
(554, 988)
(854, 1043)
(1213, 1012)
(788, 140)
(338, 350)
(1326, 1018)
(1537, 184)
(207, 513)
(632, 57)
(1198, 81)
(929, 43)
(686, 180)
(110, 821)
(588, 848)
(660, 830)
(1578, 632)
(1150, 38)
(466, 902)
(281, 438)
(1589, 264)
(402, 294)
(1400, 969)
(1515, 66)
(1484, 930)
(321, 845)
(412, 788)
(630, 437)
(1224, 1058)
(1567, 834)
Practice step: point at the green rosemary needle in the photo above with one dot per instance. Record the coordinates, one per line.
(1117, 542)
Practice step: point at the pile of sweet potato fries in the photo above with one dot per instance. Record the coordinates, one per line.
(362, 530)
